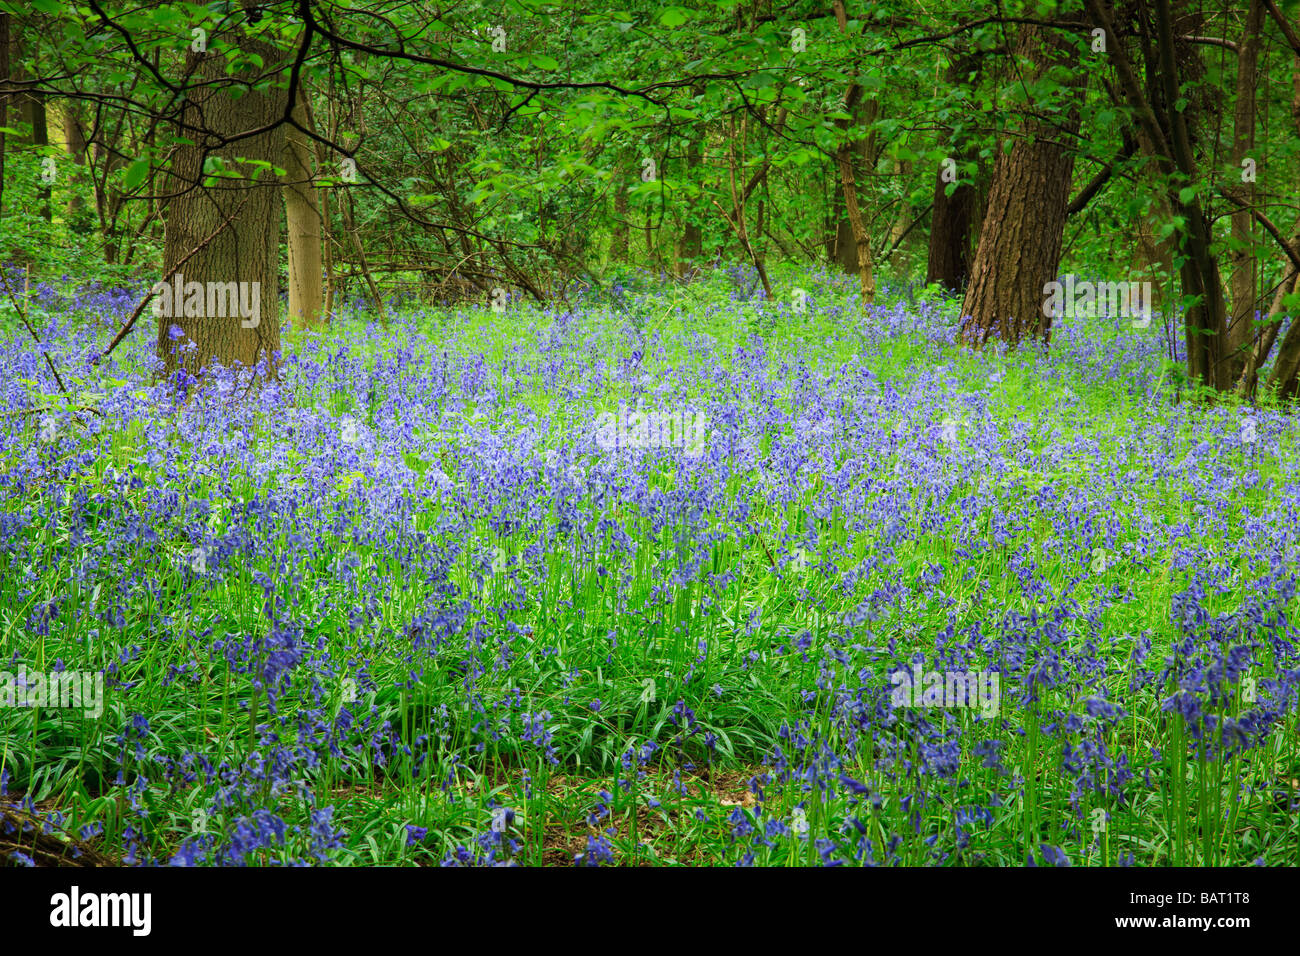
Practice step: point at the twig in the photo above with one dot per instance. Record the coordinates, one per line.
(1264, 221)
(13, 297)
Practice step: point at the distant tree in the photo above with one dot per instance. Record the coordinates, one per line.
(954, 211)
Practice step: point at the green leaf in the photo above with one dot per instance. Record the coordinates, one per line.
(544, 62)
(673, 17)
(136, 173)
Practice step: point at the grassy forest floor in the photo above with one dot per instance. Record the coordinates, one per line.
(410, 605)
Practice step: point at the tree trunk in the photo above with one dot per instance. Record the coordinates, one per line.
(303, 218)
(950, 235)
(693, 233)
(1284, 378)
(1244, 274)
(31, 112)
(74, 137)
(108, 199)
(841, 247)
(848, 181)
(327, 224)
(234, 222)
(33, 106)
(4, 106)
(952, 216)
(737, 216)
(1020, 243)
(1163, 119)
(1289, 358)
(350, 224)
(618, 250)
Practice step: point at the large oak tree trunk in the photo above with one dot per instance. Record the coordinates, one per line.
(1020, 243)
(235, 220)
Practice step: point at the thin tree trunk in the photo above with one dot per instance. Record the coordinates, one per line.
(303, 220)
(4, 105)
(350, 224)
(693, 232)
(1272, 324)
(618, 250)
(848, 181)
(35, 115)
(1205, 320)
(327, 228)
(1284, 378)
(737, 216)
(1244, 272)
(74, 137)
(106, 159)
(31, 111)
(902, 222)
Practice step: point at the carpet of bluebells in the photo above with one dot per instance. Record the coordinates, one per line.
(399, 606)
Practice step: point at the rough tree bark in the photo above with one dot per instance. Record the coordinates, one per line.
(1019, 249)
(235, 220)
(303, 219)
